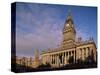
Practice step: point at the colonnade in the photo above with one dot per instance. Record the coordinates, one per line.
(59, 58)
(62, 58)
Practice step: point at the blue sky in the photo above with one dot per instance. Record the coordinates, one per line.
(39, 26)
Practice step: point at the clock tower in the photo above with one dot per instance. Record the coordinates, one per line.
(69, 33)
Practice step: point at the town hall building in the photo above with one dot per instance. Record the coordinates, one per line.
(71, 50)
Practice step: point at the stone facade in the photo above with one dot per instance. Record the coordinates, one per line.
(71, 49)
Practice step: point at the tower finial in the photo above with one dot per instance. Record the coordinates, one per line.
(69, 14)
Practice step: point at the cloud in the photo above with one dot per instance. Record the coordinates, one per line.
(40, 27)
(42, 39)
(37, 31)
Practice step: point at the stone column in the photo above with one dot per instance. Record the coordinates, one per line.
(86, 51)
(95, 55)
(50, 59)
(83, 54)
(77, 54)
(54, 59)
(74, 56)
(90, 51)
(65, 59)
(45, 60)
(57, 60)
(62, 57)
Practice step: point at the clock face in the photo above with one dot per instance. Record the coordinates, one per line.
(67, 25)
